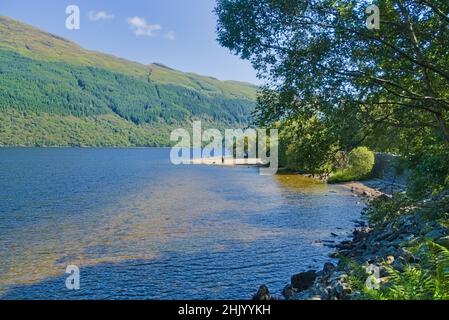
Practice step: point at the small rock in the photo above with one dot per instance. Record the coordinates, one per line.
(390, 251)
(328, 268)
(390, 260)
(398, 265)
(385, 235)
(342, 290)
(304, 280)
(406, 255)
(304, 295)
(263, 294)
(356, 295)
(434, 234)
(383, 272)
(384, 197)
(444, 241)
(288, 291)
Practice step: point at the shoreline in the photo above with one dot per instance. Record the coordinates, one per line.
(228, 162)
(330, 283)
(361, 189)
(375, 249)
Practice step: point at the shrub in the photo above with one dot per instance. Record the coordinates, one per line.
(383, 209)
(361, 161)
(306, 145)
(427, 280)
(430, 175)
(360, 165)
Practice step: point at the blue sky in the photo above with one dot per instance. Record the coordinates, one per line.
(177, 33)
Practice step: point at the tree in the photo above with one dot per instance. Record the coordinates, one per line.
(307, 145)
(393, 83)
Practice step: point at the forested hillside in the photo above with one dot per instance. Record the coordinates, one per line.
(53, 92)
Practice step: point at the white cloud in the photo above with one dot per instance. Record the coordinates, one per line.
(142, 28)
(170, 35)
(100, 15)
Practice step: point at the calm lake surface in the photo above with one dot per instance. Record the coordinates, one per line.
(139, 227)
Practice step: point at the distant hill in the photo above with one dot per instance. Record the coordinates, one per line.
(55, 93)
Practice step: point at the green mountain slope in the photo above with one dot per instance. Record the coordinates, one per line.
(53, 92)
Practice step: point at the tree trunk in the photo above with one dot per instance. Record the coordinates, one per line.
(443, 126)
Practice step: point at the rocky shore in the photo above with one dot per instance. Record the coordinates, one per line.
(373, 248)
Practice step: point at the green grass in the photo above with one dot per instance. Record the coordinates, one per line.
(360, 163)
(342, 176)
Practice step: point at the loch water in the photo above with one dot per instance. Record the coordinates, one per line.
(139, 227)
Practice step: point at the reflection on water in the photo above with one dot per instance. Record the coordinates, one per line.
(300, 183)
(138, 226)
